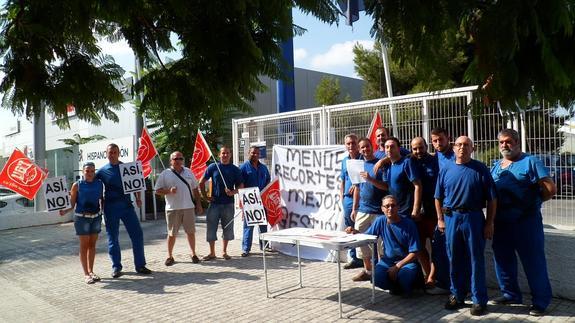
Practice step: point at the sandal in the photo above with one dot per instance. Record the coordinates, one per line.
(195, 259)
(170, 261)
(226, 256)
(95, 277)
(89, 280)
(208, 258)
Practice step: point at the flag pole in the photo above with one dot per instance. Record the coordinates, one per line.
(214, 158)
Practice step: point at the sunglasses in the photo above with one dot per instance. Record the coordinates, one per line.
(178, 158)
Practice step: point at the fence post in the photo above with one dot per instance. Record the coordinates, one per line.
(426, 130)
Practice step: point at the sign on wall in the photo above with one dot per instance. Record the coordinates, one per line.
(96, 151)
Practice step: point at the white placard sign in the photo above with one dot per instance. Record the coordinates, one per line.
(132, 177)
(252, 206)
(354, 167)
(309, 178)
(56, 192)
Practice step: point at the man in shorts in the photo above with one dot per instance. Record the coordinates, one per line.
(180, 188)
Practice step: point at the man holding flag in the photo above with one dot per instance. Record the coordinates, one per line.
(254, 174)
(226, 180)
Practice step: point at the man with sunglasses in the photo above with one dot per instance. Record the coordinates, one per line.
(179, 187)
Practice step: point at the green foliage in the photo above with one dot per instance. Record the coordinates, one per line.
(328, 92)
(405, 78)
(77, 140)
(523, 51)
(51, 58)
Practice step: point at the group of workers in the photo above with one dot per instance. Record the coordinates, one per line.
(408, 198)
(412, 199)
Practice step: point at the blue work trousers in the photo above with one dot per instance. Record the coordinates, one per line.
(465, 248)
(249, 235)
(440, 259)
(409, 277)
(113, 213)
(347, 206)
(524, 236)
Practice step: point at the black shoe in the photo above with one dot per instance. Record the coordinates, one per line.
(502, 300)
(353, 264)
(478, 310)
(245, 254)
(170, 261)
(453, 304)
(143, 271)
(536, 311)
(117, 273)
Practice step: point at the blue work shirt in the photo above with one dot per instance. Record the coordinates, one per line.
(466, 186)
(255, 177)
(428, 168)
(114, 193)
(369, 195)
(232, 176)
(399, 239)
(89, 195)
(400, 176)
(445, 158)
(518, 191)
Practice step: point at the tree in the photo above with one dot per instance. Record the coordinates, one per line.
(51, 58)
(405, 78)
(328, 92)
(523, 51)
(77, 140)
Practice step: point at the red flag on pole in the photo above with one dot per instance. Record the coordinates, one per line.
(146, 151)
(271, 198)
(375, 123)
(21, 175)
(202, 154)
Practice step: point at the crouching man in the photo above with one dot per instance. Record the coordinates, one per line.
(398, 270)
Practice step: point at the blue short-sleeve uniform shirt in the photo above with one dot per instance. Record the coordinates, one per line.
(369, 195)
(400, 176)
(114, 193)
(399, 239)
(232, 176)
(255, 177)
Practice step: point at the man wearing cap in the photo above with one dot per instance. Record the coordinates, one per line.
(179, 187)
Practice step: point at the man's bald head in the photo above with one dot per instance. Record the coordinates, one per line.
(418, 147)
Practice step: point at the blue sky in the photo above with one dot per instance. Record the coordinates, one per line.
(325, 48)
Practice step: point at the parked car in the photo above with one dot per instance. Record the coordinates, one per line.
(566, 175)
(551, 161)
(6, 192)
(14, 204)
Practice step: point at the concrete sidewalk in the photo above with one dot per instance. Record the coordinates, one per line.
(41, 281)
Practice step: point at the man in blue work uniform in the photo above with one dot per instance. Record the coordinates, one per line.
(118, 206)
(254, 174)
(463, 189)
(403, 180)
(346, 194)
(445, 156)
(226, 180)
(397, 270)
(381, 136)
(523, 183)
(429, 170)
(367, 203)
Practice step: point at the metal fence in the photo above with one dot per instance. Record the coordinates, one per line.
(456, 110)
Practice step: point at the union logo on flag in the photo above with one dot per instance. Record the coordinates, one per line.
(146, 149)
(202, 154)
(271, 198)
(21, 175)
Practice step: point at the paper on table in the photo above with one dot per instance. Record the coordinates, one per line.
(354, 166)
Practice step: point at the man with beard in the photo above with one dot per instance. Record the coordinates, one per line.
(523, 183)
(463, 190)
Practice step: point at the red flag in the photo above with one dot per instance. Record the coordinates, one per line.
(202, 154)
(147, 168)
(146, 149)
(271, 197)
(375, 123)
(21, 175)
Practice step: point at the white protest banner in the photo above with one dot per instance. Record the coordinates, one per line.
(252, 206)
(354, 167)
(56, 192)
(132, 177)
(309, 177)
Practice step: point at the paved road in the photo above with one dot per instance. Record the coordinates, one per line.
(41, 281)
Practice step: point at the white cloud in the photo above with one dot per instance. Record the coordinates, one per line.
(299, 54)
(338, 54)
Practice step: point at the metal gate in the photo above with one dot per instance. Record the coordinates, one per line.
(457, 110)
